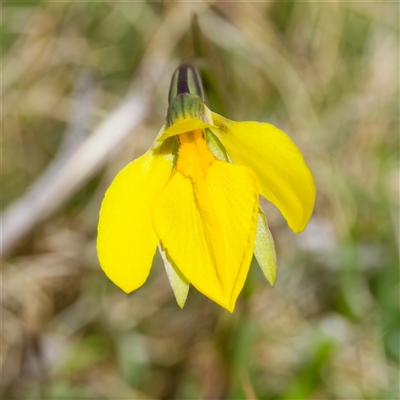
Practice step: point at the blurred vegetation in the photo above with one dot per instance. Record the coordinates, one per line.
(327, 74)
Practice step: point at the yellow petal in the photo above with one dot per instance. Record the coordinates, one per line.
(182, 126)
(283, 175)
(126, 240)
(207, 223)
(264, 249)
(179, 284)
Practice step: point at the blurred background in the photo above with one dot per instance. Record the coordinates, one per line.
(84, 91)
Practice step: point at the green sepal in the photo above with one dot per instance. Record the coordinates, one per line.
(179, 284)
(185, 80)
(215, 146)
(264, 248)
(185, 107)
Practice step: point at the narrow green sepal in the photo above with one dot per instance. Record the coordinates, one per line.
(185, 80)
(215, 146)
(179, 284)
(264, 248)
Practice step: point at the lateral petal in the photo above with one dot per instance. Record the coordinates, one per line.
(283, 175)
(126, 240)
(208, 224)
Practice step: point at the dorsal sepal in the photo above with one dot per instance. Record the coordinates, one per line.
(185, 80)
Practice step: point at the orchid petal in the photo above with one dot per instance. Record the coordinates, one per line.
(283, 175)
(126, 240)
(208, 226)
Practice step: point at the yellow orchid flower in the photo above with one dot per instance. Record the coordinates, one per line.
(195, 194)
